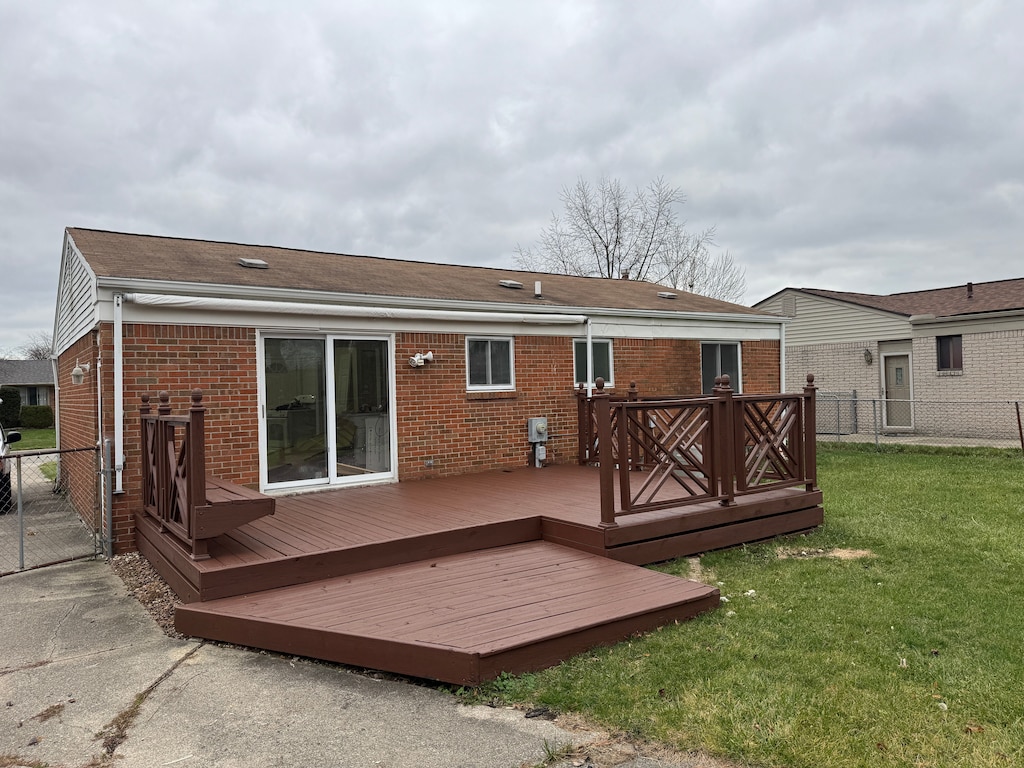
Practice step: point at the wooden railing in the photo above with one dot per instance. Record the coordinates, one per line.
(670, 452)
(176, 490)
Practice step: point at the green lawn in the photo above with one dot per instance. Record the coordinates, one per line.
(35, 439)
(911, 654)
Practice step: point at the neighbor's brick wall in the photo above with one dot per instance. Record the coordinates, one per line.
(993, 370)
(439, 422)
(836, 368)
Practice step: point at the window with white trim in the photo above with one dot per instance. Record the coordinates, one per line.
(489, 363)
(718, 359)
(603, 364)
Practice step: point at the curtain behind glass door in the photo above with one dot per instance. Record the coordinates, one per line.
(361, 401)
(296, 398)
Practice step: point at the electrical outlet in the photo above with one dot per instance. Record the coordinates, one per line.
(428, 463)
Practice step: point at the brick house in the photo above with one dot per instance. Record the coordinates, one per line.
(938, 347)
(315, 370)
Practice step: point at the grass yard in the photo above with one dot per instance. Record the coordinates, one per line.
(906, 650)
(35, 439)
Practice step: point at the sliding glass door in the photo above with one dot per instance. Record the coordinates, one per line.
(327, 406)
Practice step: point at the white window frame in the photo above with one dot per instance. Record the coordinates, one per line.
(502, 387)
(333, 478)
(737, 386)
(609, 380)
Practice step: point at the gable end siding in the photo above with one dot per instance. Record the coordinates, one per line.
(76, 298)
(824, 321)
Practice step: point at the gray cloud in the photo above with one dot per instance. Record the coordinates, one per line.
(870, 146)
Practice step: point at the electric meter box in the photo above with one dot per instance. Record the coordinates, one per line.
(537, 429)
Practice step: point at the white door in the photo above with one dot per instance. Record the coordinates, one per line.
(898, 412)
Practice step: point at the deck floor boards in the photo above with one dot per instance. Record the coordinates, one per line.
(491, 607)
(453, 578)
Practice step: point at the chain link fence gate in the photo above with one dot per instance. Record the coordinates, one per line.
(845, 417)
(59, 500)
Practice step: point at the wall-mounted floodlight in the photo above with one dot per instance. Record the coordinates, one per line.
(420, 359)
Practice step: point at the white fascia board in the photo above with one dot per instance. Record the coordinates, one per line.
(699, 329)
(276, 295)
(922, 320)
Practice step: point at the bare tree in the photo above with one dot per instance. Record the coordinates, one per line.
(38, 347)
(607, 232)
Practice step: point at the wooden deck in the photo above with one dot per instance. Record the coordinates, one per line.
(461, 618)
(459, 578)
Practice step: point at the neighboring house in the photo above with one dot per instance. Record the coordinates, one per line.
(944, 346)
(32, 378)
(314, 366)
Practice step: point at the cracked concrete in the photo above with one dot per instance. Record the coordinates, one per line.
(75, 646)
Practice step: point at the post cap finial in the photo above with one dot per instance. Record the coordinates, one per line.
(810, 379)
(599, 383)
(197, 396)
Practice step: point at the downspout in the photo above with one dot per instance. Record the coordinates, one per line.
(590, 358)
(118, 393)
(56, 400)
(782, 357)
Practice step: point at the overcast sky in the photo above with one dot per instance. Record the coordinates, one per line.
(872, 146)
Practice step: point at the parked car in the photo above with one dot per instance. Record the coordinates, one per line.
(6, 497)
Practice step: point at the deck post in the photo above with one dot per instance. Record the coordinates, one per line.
(606, 459)
(725, 433)
(145, 427)
(810, 434)
(196, 456)
(164, 436)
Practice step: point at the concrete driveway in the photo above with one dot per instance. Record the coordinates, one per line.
(87, 676)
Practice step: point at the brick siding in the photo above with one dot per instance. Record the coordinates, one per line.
(442, 428)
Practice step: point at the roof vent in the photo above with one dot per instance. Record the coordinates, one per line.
(510, 284)
(253, 263)
(666, 295)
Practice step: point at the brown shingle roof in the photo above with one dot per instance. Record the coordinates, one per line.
(998, 296)
(148, 257)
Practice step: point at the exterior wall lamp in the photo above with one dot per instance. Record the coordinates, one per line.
(78, 372)
(420, 359)
(868, 357)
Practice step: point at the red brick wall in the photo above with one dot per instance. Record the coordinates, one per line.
(760, 367)
(442, 428)
(78, 425)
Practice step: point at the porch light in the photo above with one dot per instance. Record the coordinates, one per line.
(868, 357)
(78, 372)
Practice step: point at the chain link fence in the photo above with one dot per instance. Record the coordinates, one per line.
(55, 512)
(846, 417)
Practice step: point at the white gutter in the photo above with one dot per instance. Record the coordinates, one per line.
(335, 310)
(782, 357)
(118, 393)
(275, 296)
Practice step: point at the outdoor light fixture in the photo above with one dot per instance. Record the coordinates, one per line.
(420, 359)
(78, 372)
(868, 357)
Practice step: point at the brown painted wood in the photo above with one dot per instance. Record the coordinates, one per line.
(455, 579)
(437, 618)
(722, 537)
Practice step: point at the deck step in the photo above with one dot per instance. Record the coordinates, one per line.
(461, 618)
